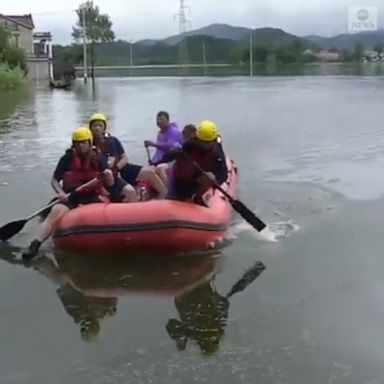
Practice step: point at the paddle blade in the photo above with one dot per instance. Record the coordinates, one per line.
(248, 215)
(10, 229)
(247, 278)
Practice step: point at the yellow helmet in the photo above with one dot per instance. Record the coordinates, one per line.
(82, 134)
(89, 329)
(207, 131)
(98, 117)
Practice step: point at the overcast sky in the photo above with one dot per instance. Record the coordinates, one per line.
(138, 19)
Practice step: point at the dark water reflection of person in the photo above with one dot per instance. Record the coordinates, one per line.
(88, 288)
(203, 313)
(87, 311)
(203, 317)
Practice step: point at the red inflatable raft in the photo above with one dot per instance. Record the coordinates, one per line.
(123, 276)
(156, 225)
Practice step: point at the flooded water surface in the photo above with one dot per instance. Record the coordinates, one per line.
(310, 156)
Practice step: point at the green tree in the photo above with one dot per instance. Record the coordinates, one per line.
(359, 50)
(15, 57)
(4, 36)
(10, 54)
(98, 28)
(379, 48)
(347, 55)
(72, 54)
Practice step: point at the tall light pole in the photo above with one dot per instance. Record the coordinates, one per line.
(251, 54)
(205, 59)
(131, 53)
(85, 67)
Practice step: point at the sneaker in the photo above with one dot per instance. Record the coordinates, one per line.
(32, 250)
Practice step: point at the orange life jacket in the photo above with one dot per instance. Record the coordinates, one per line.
(80, 172)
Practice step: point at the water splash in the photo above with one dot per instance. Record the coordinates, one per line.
(272, 233)
(285, 228)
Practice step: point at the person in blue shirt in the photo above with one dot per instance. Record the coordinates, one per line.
(130, 174)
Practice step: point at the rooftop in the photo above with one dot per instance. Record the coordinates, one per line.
(23, 20)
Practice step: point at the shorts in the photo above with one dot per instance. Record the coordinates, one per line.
(75, 200)
(72, 203)
(116, 190)
(130, 173)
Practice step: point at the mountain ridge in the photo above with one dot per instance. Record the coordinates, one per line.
(236, 33)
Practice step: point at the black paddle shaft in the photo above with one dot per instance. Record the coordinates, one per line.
(9, 230)
(248, 277)
(237, 205)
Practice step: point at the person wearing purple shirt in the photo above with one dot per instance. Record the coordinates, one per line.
(168, 138)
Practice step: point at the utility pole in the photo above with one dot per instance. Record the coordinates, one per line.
(131, 53)
(251, 54)
(205, 59)
(85, 66)
(183, 23)
(182, 17)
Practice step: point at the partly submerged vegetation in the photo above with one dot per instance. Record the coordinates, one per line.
(13, 63)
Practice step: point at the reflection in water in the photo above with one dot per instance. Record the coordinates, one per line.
(204, 312)
(87, 311)
(89, 287)
(9, 102)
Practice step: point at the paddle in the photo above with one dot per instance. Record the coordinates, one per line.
(148, 155)
(237, 205)
(248, 277)
(11, 229)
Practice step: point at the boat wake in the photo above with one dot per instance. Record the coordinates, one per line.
(272, 233)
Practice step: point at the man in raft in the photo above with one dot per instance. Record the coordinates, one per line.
(111, 147)
(189, 132)
(187, 183)
(79, 165)
(168, 138)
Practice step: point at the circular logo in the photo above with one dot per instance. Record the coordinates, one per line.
(362, 14)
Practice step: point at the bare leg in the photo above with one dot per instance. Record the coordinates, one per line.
(129, 194)
(45, 230)
(109, 179)
(161, 171)
(149, 175)
(48, 225)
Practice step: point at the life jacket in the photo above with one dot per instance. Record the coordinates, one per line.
(80, 172)
(184, 170)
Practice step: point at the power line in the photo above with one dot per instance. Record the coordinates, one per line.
(53, 12)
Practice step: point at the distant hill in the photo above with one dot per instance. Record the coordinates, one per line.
(233, 48)
(261, 36)
(348, 41)
(147, 42)
(219, 31)
(265, 36)
(159, 52)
